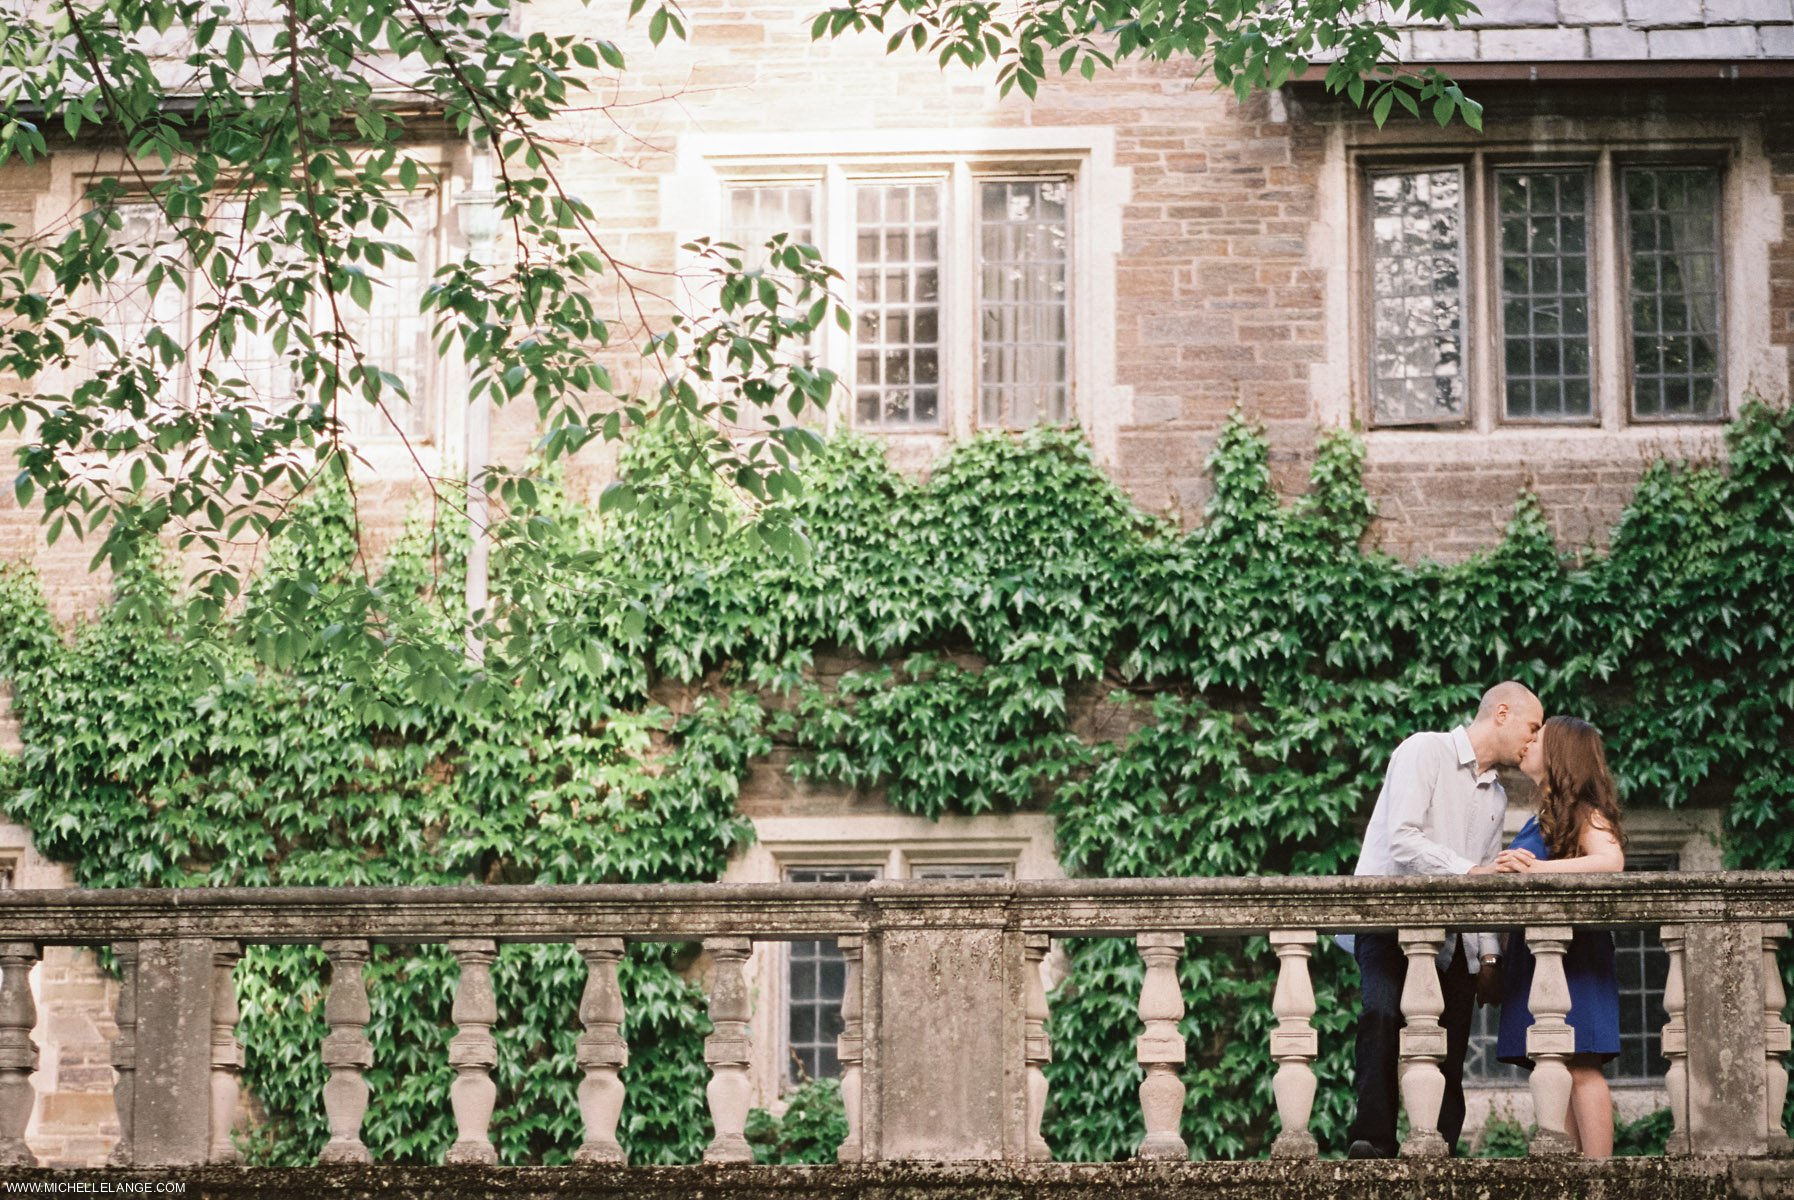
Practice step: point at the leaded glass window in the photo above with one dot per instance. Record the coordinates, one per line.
(815, 982)
(1024, 272)
(1544, 294)
(1672, 237)
(1417, 307)
(898, 270)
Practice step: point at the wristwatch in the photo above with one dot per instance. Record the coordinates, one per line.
(1490, 960)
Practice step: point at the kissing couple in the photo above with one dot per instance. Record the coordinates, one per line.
(1441, 812)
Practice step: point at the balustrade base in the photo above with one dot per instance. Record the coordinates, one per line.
(1455, 1179)
(1550, 1143)
(1294, 1143)
(599, 1152)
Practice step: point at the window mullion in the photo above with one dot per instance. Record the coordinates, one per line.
(959, 302)
(1481, 291)
(1607, 327)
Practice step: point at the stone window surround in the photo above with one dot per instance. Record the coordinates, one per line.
(894, 844)
(73, 171)
(1694, 836)
(1751, 223)
(693, 205)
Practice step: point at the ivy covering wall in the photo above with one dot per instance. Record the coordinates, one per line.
(1252, 677)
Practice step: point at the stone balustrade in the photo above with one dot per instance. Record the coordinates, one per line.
(945, 1016)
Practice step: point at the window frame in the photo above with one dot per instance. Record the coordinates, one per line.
(430, 397)
(1468, 194)
(1612, 381)
(786, 1080)
(1621, 215)
(1596, 214)
(835, 232)
(975, 402)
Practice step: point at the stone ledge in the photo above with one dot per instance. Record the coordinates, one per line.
(1460, 1179)
(1074, 907)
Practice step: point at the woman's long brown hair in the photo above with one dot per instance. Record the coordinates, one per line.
(1578, 787)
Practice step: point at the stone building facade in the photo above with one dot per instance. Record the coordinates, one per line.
(1600, 277)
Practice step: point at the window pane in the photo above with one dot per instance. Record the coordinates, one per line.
(1417, 251)
(898, 267)
(1544, 293)
(252, 367)
(125, 306)
(815, 982)
(1672, 234)
(1023, 266)
(393, 334)
(758, 211)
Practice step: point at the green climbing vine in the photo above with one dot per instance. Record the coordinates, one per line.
(1009, 633)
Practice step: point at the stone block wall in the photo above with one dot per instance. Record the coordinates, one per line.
(1232, 287)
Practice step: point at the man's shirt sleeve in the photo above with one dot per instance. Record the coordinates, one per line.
(1413, 773)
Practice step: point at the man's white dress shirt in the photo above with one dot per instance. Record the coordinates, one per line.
(1436, 815)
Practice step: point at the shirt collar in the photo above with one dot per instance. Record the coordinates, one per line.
(1460, 739)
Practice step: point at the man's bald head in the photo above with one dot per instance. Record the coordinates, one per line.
(1509, 692)
(1506, 722)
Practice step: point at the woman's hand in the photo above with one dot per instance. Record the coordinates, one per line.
(1515, 862)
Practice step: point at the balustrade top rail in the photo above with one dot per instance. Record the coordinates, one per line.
(1077, 907)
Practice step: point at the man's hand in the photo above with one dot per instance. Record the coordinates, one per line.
(1488, 985)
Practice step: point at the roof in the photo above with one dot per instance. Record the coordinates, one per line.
(1609, 31)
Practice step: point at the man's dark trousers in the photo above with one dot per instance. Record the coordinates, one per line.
(1382, 967)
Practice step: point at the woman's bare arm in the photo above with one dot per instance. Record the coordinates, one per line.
(1601, 851)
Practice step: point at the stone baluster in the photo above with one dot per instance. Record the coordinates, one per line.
(1550, 1041)
(473, 1052)
(227, 1052)
(1674, 1038)
(347, 1051)
(726, 1050)
(1775, 1042)
(1039, 1050)
(602, 1051)
(18, 1053)
(1294, 1043)
(124, 1051)
(1160, 1048)
(1422, 1044)
(850, 1047)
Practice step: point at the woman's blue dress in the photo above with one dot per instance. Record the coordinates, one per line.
(1588, 966)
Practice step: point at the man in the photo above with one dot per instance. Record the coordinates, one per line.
(1439, 813)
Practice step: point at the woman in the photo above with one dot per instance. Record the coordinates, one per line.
(1577, 830)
